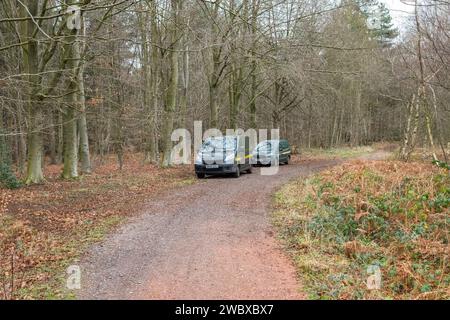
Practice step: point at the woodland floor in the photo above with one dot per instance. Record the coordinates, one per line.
(44, 228)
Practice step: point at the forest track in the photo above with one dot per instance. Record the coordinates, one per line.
(211, 240)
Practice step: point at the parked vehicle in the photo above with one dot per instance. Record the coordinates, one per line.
(223, 155)
(272, 151)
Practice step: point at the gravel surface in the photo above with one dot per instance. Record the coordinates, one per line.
(211, 240)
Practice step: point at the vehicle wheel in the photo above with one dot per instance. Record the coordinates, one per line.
(201, 175)
(287, 161)
(237, 174)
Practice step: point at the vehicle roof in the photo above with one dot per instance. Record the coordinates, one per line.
(222, 137)
(265, 141)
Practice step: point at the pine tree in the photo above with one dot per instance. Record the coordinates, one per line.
(379, 21)
(385, 31)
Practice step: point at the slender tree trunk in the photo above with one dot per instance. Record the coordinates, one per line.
(407, 134)
(232, 102)
(22, 144)
(421, 96)
(430, 136)
(253, 85)
(185, 75)
(341, 124)
(215, 76)
(414, 129)
(85, 156)
(171, 96)
(154, 86)
(52, 139)
(335, 125)
(70, 153)
(235, 92)
(119, 143)
(70, 113)
(438, 124)
(357, 116)
(253, 88)
(149, 140)
(213, 106)
(4, 154)
(60, 143)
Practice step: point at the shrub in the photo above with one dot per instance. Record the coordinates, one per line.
(7, 177)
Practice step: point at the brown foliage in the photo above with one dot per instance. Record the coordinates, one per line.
(43, 227)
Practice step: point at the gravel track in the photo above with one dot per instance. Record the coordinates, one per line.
(210, 240)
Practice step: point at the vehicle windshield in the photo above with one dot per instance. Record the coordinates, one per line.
(218, 144)
(265, 147)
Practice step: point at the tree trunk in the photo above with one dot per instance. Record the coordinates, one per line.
(253, 123)
(60, 144)
(85, 157)
(414, 130)
(171, 96)
(147, 91)
(70, 153)
(70, 113)
(421, 96)
(213, 107)
(34, 164)
(235, 92)
(185, 76)
(153, 120)
(253, 85)
(52, 139)
(407, 134)
(22, 144)
(34, 114)
(215, 75)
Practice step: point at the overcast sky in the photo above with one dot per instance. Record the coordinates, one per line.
(400, 11)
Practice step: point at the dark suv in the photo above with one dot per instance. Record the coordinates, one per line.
(272, 151)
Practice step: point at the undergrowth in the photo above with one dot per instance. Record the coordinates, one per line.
(339, 224)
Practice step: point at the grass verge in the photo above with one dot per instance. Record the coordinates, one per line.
(343, 225)
(334, 153)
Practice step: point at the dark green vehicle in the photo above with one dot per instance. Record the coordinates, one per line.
(228, 155)
(272, 151)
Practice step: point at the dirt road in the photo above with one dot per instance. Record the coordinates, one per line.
(211, 240)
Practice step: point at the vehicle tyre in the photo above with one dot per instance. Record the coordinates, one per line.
(237, 174)
(201, 175)
(287, 161)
